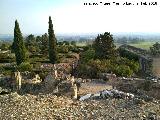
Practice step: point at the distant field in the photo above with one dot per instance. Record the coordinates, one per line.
(81, 44)
(143, 45)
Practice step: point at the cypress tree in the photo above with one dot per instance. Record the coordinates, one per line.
(18, 45)
(52, 43)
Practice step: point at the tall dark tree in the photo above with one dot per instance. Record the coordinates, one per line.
(18, 45)
(52, 43)
(104, 46)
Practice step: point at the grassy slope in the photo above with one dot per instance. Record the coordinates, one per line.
(143, 45)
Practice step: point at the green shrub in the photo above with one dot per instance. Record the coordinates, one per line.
(63, 49)
(25, 66)
(127, 54)
(88, 55)
(7, 72)
(123, 70)
(133, 65)
(94, 67)
(85, 71)
(1, 69)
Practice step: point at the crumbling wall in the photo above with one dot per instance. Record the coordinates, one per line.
(140, 86)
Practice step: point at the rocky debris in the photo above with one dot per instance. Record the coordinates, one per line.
(103, 105)
(4, 91)
(108, 94)
(140, 87)
(85, 97)
(37, 79)
(65, 67)
(50, 82)
(107, 76)
(51, 107)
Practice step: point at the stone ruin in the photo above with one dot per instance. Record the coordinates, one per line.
(61, 83)
(55, 82)
(37, 79)
(50, 82)
(18, 79)
(108, 94)
(75, 91)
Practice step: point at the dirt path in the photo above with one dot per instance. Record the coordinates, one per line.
(93, 87)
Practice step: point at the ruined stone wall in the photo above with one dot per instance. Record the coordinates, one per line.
(134, 86)
(146, 65)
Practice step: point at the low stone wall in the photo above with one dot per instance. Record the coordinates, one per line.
(138, 87)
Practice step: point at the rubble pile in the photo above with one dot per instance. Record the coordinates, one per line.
(36, 107)
(105, 94)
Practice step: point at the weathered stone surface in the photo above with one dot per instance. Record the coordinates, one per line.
(85, 97)
(75, 90)
(50, 82)
(18, 79)
(108, 94)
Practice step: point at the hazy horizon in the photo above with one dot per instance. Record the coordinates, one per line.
(72, 17)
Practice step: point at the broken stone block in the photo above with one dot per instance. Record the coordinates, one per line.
(85, 97)
(75, 91)
(18, 78)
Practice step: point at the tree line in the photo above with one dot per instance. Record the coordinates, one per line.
(21, 51)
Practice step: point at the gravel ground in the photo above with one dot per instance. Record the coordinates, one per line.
(93, 87)
(51, 107)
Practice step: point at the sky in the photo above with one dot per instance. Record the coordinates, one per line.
(72, 16)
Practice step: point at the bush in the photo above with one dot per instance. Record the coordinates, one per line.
(88, 55)
(119, 65)
(37, 65)
(7, 72)
(86, 71)
(6, 58)
(63, 49)
(1, 69)
(133, 65)
(123, 70)
(93, 67)
(127, 54)
(75, 49)
(25, 66)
